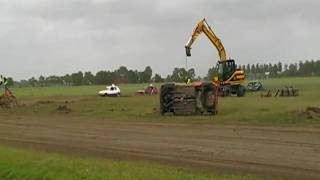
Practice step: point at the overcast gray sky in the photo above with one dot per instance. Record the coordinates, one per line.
(64, 36)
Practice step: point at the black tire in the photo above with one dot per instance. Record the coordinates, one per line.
(207, 90)
(241, 91)
(225, 91)
(166, 98)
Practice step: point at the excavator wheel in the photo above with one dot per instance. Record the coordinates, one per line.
(241, 91)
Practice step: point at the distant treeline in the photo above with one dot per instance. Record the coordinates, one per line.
(260, 71)
(121, 75)
(125, 75)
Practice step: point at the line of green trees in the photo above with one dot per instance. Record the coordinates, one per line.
(259, 71)
(125, 75)
(121, 75)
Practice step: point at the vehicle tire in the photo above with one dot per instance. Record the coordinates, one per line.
(225, 91)
(166, 98)
(241, 91)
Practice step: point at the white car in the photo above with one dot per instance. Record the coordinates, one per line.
(112, 90)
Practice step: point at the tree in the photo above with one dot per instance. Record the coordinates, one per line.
(53, 80)
(265, 68)
(33, 82)
(168, 79)
(243, 67)
(248, 69)
(292, 71)
(77, 78)
(279, 67)
(120, 75)
(258, 69)
(10, 81)
(66, 79)
(145, 76)
(88, 78)
(157, 78)
(133, 76)
(191, 74)
(285, 67)
(179, 75)
(212, 72)
(253, 69)
(103, 77)
(42, 81)
(23, 83)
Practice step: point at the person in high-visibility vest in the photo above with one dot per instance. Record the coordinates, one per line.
(3, 80)
(187, 81)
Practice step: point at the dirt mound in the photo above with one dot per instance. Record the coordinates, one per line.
(312, 112)
(63, 109)
(8, 101)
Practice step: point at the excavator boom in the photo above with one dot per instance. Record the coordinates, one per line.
(203, 27)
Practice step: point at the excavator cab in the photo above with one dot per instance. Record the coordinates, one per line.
(226, 69)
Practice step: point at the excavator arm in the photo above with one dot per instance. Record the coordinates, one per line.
(203, 27)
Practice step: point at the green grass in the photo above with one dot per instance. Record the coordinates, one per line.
(36, 92)
(43, 101)
(251, 109)
(31, 165)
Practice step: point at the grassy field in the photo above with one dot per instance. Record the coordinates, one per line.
(43, 101)
(251, 109)
(30, 165)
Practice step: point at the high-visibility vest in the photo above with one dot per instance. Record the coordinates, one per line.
(3, 80)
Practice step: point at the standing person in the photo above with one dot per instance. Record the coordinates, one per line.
(3, 80)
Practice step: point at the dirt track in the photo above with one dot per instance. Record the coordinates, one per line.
(271, 151)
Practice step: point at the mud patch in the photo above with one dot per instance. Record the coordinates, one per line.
(63, 109)
(8, 102)
(155, 109)
(311, 112)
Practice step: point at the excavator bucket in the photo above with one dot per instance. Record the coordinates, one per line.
(188, 51)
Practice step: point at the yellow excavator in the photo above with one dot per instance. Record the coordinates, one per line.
(192, 98)
(229, 76)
